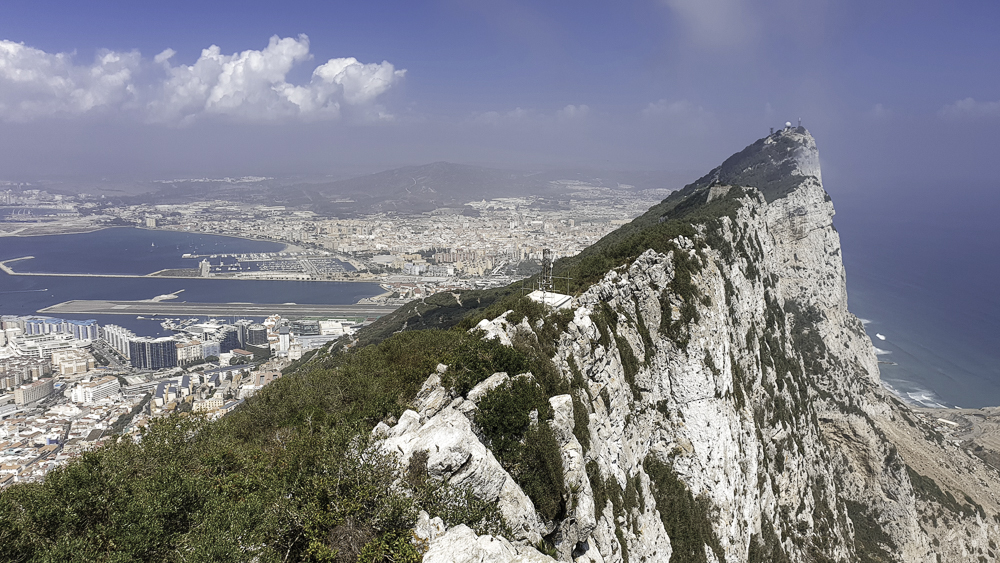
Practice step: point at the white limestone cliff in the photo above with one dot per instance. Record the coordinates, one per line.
(761, 396)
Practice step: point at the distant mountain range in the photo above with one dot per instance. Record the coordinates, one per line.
(410, 189)
(444, 184)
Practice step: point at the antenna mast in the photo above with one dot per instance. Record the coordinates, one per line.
(545, 279)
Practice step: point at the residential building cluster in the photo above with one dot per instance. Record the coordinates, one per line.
(502, 232)
(55, 407)
(198, 343)
(37, 441)
(33, 346)
(40, 337)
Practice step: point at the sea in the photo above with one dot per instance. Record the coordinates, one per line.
(922, 273)
(126, 250)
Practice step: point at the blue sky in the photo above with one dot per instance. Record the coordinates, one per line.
(121, 89)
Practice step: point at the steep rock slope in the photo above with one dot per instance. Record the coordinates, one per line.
(723, 404)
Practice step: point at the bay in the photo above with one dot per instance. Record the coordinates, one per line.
(138, 252)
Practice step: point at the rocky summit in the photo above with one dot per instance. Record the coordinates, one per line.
(701, 393)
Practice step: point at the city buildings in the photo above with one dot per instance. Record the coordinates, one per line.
(72, 362)
(36, 325)
(256, 335)
(189, 352)
(18, 370)
(32, 392)
(153, 353)
(118, 338)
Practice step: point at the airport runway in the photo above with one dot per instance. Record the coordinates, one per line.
(175, 309)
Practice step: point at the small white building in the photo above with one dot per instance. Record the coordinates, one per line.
(552, 299)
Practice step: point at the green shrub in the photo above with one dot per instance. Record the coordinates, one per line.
(541, 472)
(540, 364)
(766, 548)
(577, 376)
(504, 414)
(928, 490)
(476, 359)
(458, 505)
(685, 518)
(530, 454)
(606, 321)
(597, 486)
(630, 365)
(394, 547)
(871, 543)
(188, 491)
(647, 340)
(581, 422)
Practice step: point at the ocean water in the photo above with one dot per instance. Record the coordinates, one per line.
(922, 270)
(121, 250)
(139, 251)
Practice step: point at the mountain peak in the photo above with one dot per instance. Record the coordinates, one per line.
(775, 164)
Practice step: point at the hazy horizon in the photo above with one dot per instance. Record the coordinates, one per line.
(189, 90)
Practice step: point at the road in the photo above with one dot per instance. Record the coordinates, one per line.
(184, 309)
(115, 359)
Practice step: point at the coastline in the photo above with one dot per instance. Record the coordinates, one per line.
(67, 231)
(4, 266)
(289, 247)
(359, 277)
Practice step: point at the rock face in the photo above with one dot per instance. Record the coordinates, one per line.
(736, 417)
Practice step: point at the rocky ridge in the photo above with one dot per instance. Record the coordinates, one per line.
(733, 406)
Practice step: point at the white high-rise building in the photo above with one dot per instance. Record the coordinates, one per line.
(96, 390)
(118, 338)
(33, 391)
(284, 339)
(72, 361)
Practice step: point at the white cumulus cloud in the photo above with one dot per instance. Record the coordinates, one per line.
(35, 84)
(250, 85)
(969, 107)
